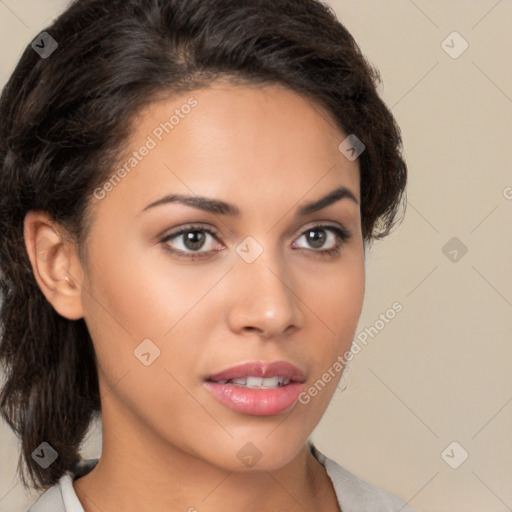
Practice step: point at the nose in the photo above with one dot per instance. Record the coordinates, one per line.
(262, 299)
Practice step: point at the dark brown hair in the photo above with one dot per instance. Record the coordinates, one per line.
(65, 119)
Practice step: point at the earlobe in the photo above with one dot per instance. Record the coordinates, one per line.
(55, 264)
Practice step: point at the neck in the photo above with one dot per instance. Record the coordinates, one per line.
(129, 485)
(140, 471)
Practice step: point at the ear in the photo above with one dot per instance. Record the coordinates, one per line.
(55, 264)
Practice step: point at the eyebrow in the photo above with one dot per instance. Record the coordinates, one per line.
(222, 208)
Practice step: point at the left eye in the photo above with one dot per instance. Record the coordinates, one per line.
(318, 237)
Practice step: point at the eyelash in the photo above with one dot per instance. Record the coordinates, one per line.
(341, 233)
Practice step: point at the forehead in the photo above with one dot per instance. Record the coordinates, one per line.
(254, 142)
(243, 113)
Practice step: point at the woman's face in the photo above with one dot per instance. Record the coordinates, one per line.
(178, 293)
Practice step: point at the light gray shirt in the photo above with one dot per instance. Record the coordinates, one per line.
(353, 493)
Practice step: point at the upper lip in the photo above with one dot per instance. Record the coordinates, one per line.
(260, 369)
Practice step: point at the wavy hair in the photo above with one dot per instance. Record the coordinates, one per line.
(65, 119)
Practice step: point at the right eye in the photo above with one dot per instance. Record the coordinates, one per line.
(189, 241)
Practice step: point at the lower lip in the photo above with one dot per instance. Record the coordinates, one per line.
(256, 402)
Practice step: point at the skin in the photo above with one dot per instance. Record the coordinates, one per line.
(168, 444)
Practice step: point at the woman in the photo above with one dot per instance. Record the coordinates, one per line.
(188, 189)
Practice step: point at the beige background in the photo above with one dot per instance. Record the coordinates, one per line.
(439, 371)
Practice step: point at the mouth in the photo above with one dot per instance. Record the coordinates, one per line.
(257, 388)
(252, 382)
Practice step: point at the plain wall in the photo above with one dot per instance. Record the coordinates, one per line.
(438, 372)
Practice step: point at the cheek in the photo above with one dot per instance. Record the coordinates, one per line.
(134, 296)
(145, 293)
(348, 297)
(336, 296)
(336, 303)
(129, 301)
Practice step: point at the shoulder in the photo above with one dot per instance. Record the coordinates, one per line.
(62, 497)
(50, 500)
(357, 495)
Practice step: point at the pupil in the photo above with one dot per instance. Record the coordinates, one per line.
(316, 241)
(194, 239)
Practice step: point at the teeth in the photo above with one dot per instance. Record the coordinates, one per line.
(240, 382)
(258, 382)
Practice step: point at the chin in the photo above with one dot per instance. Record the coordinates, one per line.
(264, 451)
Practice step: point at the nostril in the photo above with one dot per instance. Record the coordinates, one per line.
(251, 329)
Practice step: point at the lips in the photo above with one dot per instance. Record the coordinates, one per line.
(257, 388)
(258, 369)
